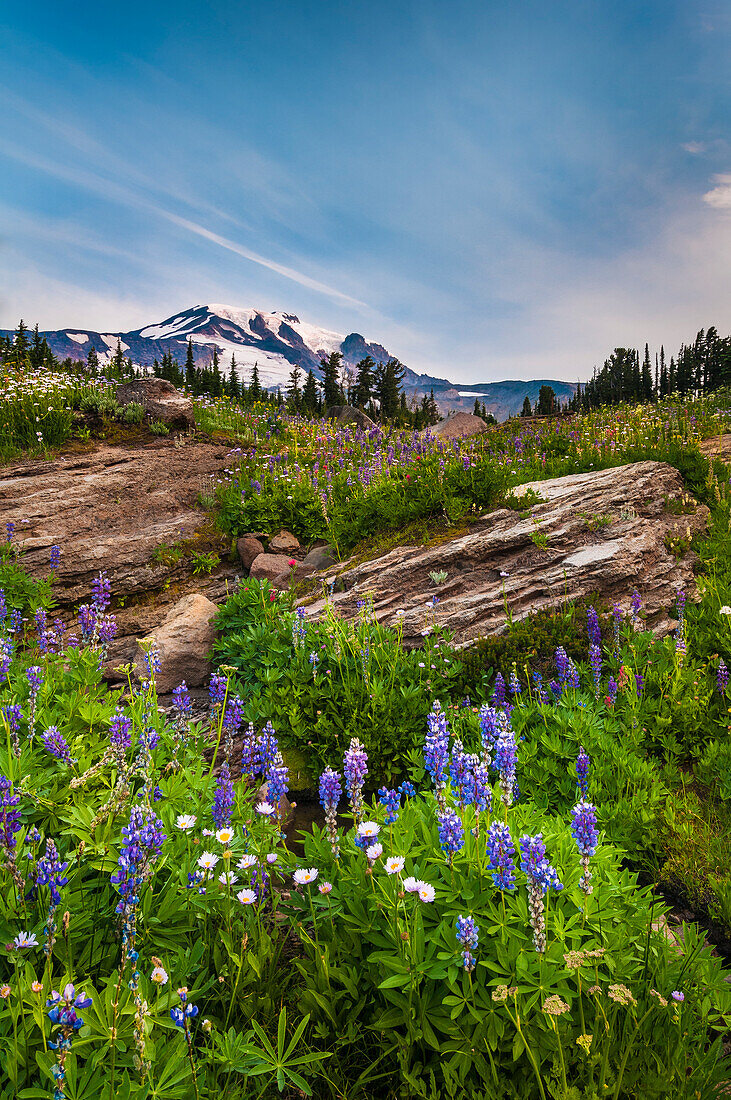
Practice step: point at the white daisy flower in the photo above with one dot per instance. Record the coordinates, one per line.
(394, 865)
(426, 892)
(227, 878)
(207, 861)
(374, 852)
(305, 875)
(225, 836)
(246, 862)
(186, 821)
(369, 830)
(266, 809)
(247, 897)
(159, 975)
(411, 885)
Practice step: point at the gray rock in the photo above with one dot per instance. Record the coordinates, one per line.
(497, 566)
(320, 557)
(459, 427)
(160, 399)
(346, 414)
(248, 548)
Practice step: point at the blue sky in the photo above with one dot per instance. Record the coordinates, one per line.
(492, 190)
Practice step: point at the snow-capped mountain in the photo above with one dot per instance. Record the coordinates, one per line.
(275, 342)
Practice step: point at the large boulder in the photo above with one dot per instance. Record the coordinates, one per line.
(459, 426)
(602, 532)
(346, 414)
(184, 639)
(160, 400)
(270, 567)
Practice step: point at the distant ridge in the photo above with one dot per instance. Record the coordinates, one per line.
(276, 342)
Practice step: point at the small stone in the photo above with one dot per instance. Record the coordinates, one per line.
(283, 542)
(320, 557)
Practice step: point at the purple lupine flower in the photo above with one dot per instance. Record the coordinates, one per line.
(16, 620)
(392, 801)
(276, 778)
(217, 690)
(514, 684)
(593, 628)
(639, 682)
(562, 664)
(6, 657)
(582, 772)
(142, 842)
(119, 730)
(55, 743)
(234, 714)
(459, 771)
(182, 700)
(489, 731)
(248, 752)
(355, 769)
(477, 791)
(3, 608)
(34, 675)
(9, 815)
(330, 794)
(540, 690)
(451, 832)
(152, 662)
(501, 851)
(267, 748)
(573, 676)
(722, 677)
(55, 559)
(467, 936)
(223, 799)
(407, 789)
(13, 715)
(50, 872)
(498, 696)
(64, 1015)
(101, 591)
(583, 829)
(506, 758)
(541, 877)
(595, 660)
(635, 605)
(9, 531)
(436, 748)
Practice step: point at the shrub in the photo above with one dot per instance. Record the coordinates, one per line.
(158, 428)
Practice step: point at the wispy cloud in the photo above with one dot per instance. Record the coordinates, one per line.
(720, 195)
(100, 184)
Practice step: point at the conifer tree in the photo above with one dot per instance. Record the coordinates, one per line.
(309, 394)
(331, 387)
(526, 410)
(191, 373)
(255, 390)
(294, 392)
(363, 391)
(92, 359)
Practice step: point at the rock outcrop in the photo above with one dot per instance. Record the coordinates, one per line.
(270, 566)
(160, 400)
(602, 532)
(118, 509)
(718, 446)
(248, 548)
